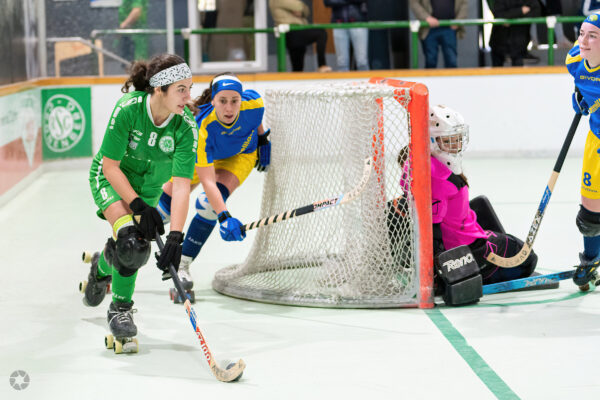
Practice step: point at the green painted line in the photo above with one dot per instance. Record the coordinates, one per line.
(487, 375)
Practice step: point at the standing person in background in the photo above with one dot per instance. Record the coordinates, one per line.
(512, 40)
(434, 36)
(350, 11)
(133, 15)
(151, 137)
(232, 142)
(296, 12)
(583, 63)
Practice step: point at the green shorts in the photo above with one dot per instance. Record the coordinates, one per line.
(104, 195)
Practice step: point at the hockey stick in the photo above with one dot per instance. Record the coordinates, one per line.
(527, 282)
(234, 371)
(317, 205)
(510, 262)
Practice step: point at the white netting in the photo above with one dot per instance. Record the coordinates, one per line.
(359, 254)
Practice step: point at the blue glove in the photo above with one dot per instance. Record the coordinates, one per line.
(231, 228)
(579, 104)
(264, 152)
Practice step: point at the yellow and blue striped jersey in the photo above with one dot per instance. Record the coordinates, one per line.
(218, 141)
(587, 81)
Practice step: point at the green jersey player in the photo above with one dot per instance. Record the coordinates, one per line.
(151, 137)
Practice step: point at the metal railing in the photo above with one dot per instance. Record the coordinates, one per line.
(414, 25)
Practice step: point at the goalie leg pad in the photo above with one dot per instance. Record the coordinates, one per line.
(131, 251)
(588, 222)
(459, 271)
(486, 216)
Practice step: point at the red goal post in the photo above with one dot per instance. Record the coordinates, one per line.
(418, 109)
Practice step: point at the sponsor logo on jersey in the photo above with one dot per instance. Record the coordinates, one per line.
(589, 78)
(246, 143)
(131, 101)
(231, 132)
(65, 122)
(191, 122)
(451, 265)
(166, 144)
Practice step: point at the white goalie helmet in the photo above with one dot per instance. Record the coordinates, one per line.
(448, 135)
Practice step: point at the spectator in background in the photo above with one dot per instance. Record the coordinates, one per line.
(538, 31)
(296, 12)
(132, 15)
(350, 11)
(434, 36)
(589, 7)
(512, 40)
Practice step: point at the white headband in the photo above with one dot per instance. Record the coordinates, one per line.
(224, 77)
(170, 75)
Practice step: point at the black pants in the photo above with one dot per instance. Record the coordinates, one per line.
(516, 58)
(504, 245)
(296, 42)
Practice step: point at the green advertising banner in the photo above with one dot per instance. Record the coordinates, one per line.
(67, 122)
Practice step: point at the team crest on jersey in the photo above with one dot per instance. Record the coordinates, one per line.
(64, 123)
(166, 144)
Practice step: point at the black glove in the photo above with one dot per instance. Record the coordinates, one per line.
(170, 254)
(264, 152)
(146, 219)
(579, 104)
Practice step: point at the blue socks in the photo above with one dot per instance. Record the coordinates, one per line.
(591, 246)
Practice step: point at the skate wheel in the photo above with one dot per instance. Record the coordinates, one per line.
(117, 346)
(130, 346)
(86, 257)
(109, 341)
(82, 286)
(584, 288)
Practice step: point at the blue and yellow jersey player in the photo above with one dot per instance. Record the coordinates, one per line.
(583, 62)
(232, 141)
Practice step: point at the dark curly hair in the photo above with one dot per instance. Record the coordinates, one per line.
(141, 71)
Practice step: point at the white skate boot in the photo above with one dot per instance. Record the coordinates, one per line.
(184, 272)
(186, 281)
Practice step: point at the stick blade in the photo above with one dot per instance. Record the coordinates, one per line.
(229, 375)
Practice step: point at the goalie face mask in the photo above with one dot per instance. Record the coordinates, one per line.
(449, 136)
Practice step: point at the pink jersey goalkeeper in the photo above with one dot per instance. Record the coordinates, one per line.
(450, 208)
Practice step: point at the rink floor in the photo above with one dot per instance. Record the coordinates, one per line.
(529, 345)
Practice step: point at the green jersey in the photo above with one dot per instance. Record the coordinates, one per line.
(150, 155)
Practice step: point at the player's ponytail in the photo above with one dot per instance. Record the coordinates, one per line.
(137, 77)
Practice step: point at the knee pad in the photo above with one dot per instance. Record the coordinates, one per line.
(588, 222)
(204, 209)
(131, 251)
(164, 208)
(109, 250)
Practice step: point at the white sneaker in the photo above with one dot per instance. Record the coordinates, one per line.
(184, 272)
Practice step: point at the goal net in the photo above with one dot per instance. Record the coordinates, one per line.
(373, 251)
